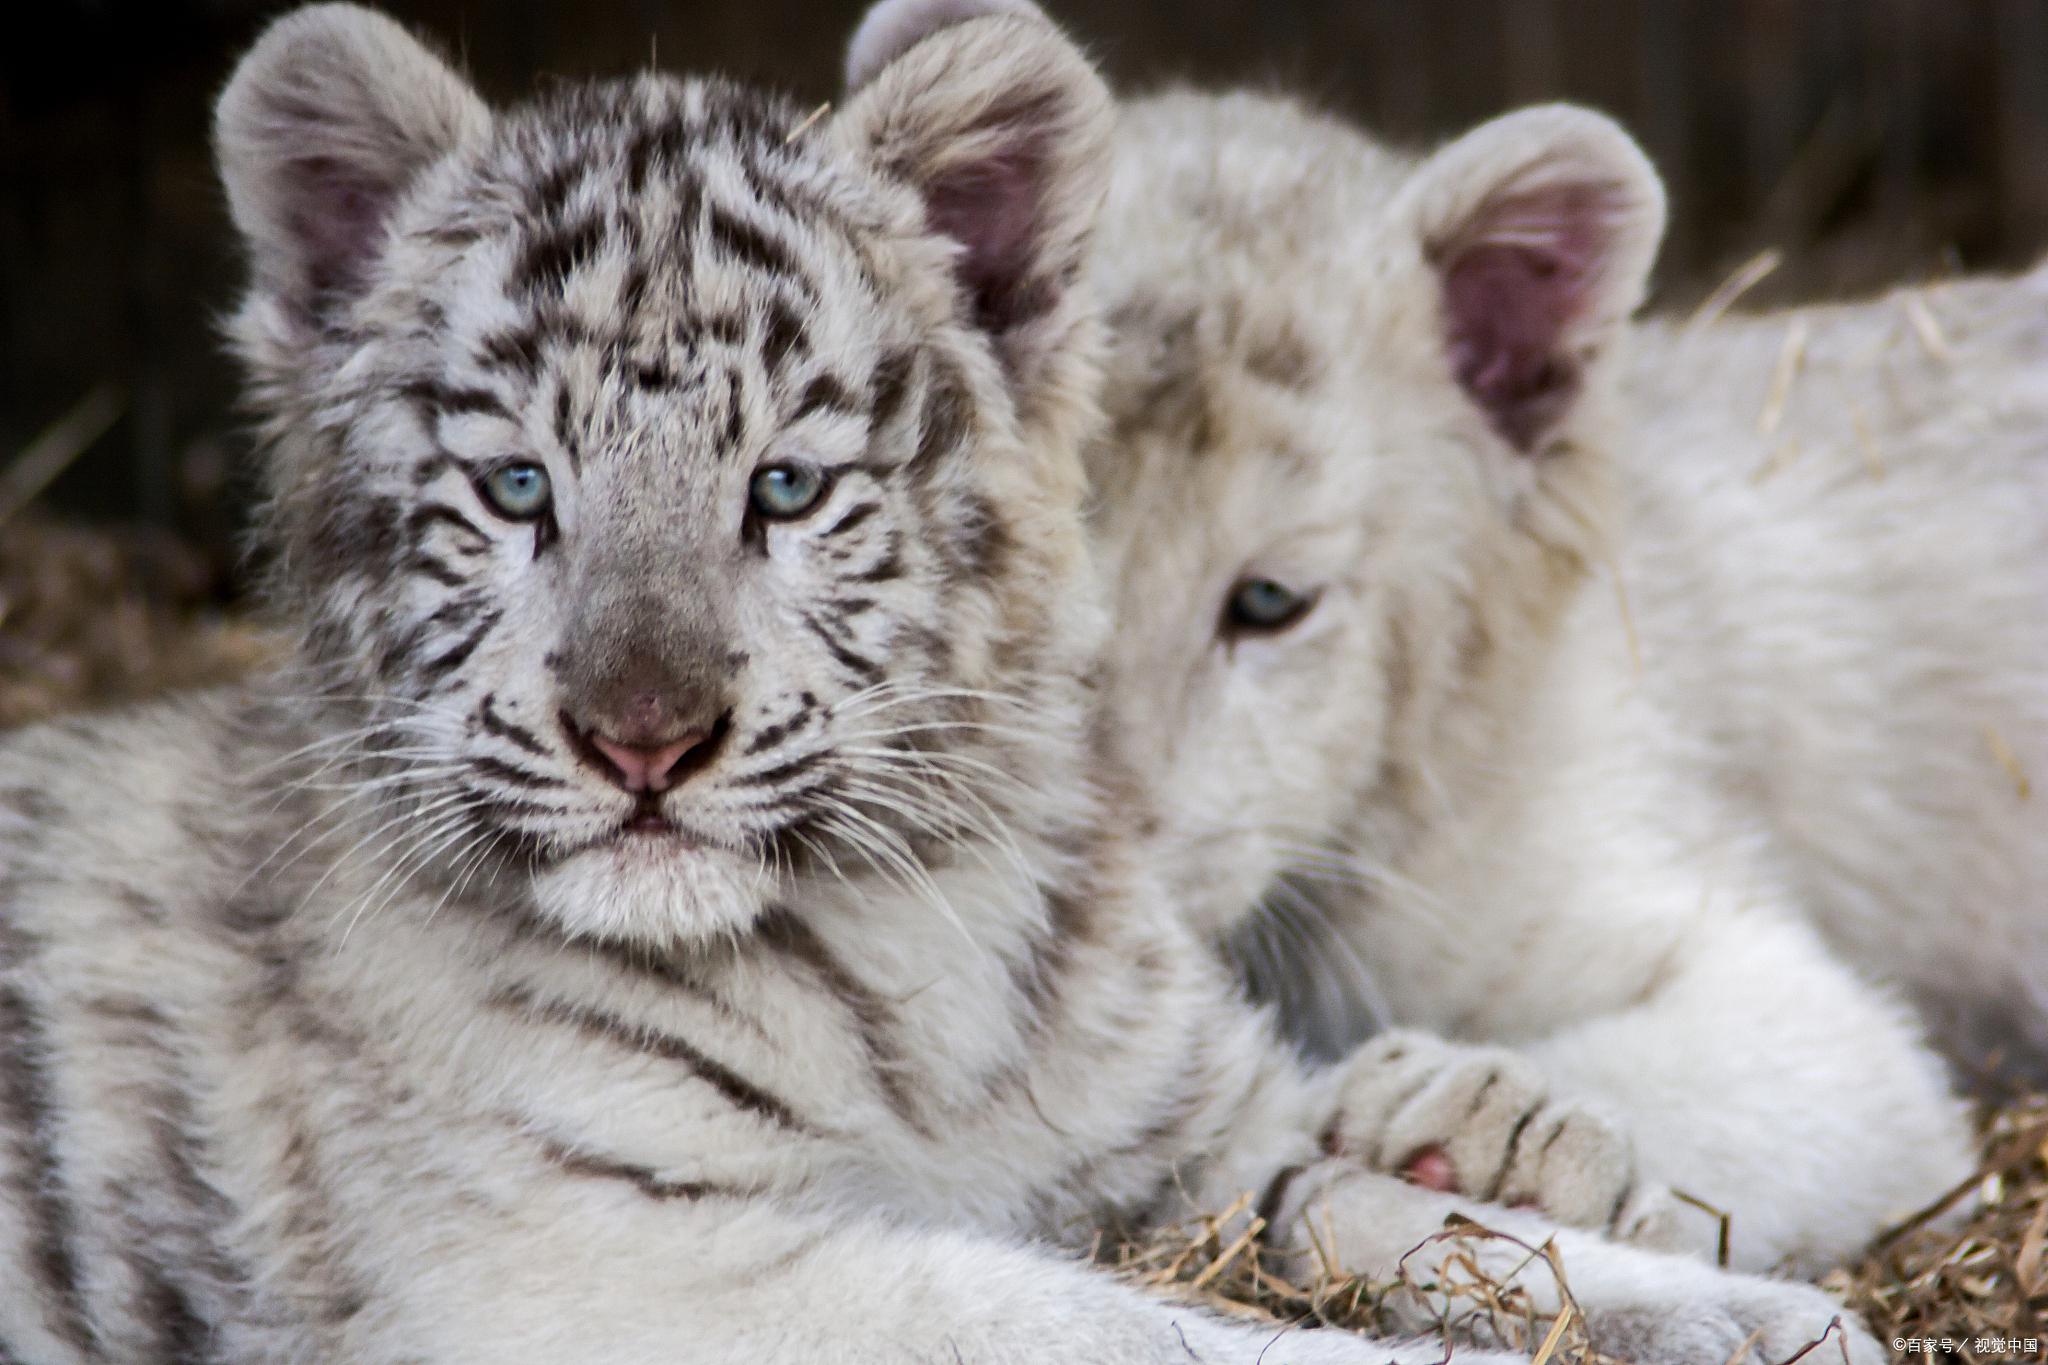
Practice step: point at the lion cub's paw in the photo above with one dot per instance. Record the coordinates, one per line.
(1480, 1121)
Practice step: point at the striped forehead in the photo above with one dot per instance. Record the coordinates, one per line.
(657, 244)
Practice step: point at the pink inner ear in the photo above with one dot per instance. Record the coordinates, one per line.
(337, 216)
(993, 209)
(1514, 284)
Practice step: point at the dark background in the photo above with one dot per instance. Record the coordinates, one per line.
(1871, 140)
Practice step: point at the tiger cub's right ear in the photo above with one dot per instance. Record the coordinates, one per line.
(895, 26)
(321, 130)
(1003, 129)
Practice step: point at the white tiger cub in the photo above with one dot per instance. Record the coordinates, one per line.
(650, 921)
(1367, 486)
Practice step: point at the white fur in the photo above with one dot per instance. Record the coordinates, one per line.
(1452, 798)
(301, 1063)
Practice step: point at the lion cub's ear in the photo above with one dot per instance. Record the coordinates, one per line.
(1540, 228)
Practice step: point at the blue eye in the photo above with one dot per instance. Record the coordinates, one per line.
(1260, 606)
(783, 492)
(520, 491)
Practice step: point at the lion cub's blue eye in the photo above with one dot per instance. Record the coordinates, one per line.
(1260, 606)
(519, 491)
(783, 492)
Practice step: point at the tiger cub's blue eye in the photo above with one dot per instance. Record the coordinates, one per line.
(783, 492)
(519, 491)
(1260, 606)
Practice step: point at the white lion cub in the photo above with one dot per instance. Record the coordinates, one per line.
(1369, 502)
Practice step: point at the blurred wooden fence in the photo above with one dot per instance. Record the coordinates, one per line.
(1870, 139)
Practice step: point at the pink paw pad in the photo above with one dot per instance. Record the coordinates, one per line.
(1431, 1169)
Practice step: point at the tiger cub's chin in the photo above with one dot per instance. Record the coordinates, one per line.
(660, 890)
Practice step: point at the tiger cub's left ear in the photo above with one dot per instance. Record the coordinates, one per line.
(1003, 128)
(1539, 229)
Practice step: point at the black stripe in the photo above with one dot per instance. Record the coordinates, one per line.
(729, 328)
(201, 1259)
(430, 514)
(748, 244)
(1267, 1209)
(329, 1285)
(944, 424)
(633, 291)
(506, 810)
(780, 772)
(26, 1099)
(788, 799)
(564, 327)
(782, 336)
(874, 1019)
(455, 400)
(985, 541)
(825, 394)
(577, 1162)
(420, 562)
(868, 670)
(512, 774)
(851, 520)
(454, 611)
(887, 388)
(661, 144)
(443, 664)
(735, 413)
(737, 1090)
(548, 194)
(181, 1337)
(549, 257)
(1620, 1203)
(444, 458)
(565, 435)
(889, 566)
(770, 736)
(517, 735)
(661, 970)
(429, 467)
(414, 637)
(514, 348)
(1514, 1142)
(31, 804)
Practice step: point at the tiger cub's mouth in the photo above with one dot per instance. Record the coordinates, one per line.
(647, 817)
(653, 832)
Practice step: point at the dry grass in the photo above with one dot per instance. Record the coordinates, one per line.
(1975, 1280)
(89, 618)
(1987, 1277)
(1219, 1263)
(93, 618)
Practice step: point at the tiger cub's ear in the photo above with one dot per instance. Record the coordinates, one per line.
(1003, 128)
(893, 27)
(1540, 228)
(323, 127)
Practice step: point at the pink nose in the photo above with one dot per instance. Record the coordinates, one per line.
(649, 768)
